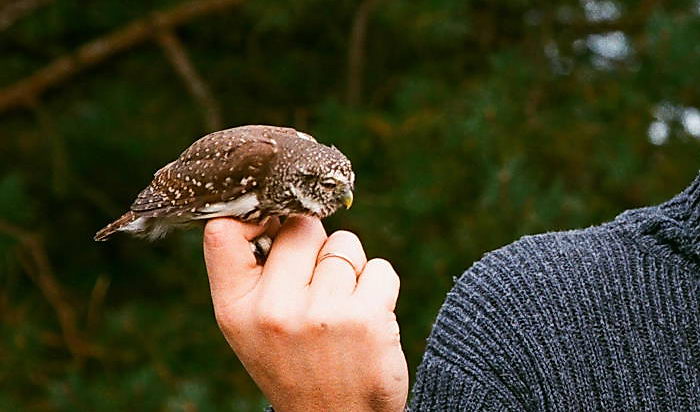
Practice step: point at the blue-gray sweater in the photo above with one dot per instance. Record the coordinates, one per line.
(606, 318)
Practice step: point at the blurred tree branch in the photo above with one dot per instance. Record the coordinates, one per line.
(356, 51)
(97, 298)
(38, 267)
(13, 10)
(27, 90)
(176, 53)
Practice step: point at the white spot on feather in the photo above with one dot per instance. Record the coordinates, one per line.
(305, 136)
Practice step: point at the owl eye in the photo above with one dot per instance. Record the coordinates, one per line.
(329, 183)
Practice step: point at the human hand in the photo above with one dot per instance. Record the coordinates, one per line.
(312, 334)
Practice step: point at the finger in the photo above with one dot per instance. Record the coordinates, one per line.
(293, 255)
(230, 262)
(340, 260)
(378, 284)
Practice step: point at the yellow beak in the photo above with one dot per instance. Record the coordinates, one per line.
(347, 198)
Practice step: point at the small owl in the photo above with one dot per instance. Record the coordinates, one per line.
(250, 173)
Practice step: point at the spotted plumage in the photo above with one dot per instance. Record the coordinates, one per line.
(250, 173)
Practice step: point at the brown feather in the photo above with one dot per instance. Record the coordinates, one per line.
(109, 230)
(216, 159)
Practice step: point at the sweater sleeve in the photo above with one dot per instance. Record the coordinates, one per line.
(476, 354)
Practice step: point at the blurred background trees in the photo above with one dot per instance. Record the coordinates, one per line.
(470, 124)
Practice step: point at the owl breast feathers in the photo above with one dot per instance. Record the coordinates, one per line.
(249, 173)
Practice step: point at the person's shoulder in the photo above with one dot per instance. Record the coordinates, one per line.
(511, 291)
(562, 255)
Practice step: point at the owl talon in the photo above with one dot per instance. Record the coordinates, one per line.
(261, 248)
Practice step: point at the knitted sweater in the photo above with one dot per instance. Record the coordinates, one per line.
(606, 319)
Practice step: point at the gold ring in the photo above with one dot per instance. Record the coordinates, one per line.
(339, 256)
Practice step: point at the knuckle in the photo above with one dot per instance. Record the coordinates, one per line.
(381, 265)
(325, 319)
(215, 233)
(345, 236)
(275, 321)
(358, 320)
(358, 325)
(272, 324)
(318, 320)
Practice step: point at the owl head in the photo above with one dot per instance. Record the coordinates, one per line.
(320, 182)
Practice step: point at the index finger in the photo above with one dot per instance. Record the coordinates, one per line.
(230, 261)
(293, 255)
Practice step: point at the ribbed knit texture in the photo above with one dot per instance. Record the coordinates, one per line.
(606, 318)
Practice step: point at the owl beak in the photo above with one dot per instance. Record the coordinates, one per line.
(347, 198)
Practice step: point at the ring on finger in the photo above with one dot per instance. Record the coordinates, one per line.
(339, 256)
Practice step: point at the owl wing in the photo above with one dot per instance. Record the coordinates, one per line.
(218, 167)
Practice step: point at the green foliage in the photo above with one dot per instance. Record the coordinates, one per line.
(479, 122)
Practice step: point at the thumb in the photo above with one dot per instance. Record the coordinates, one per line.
(230, 261)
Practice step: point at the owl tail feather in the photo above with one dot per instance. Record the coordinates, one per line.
(115, 226)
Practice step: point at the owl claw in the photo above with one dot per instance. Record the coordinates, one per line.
(261, 248)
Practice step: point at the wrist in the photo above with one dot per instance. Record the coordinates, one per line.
(369, 403)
